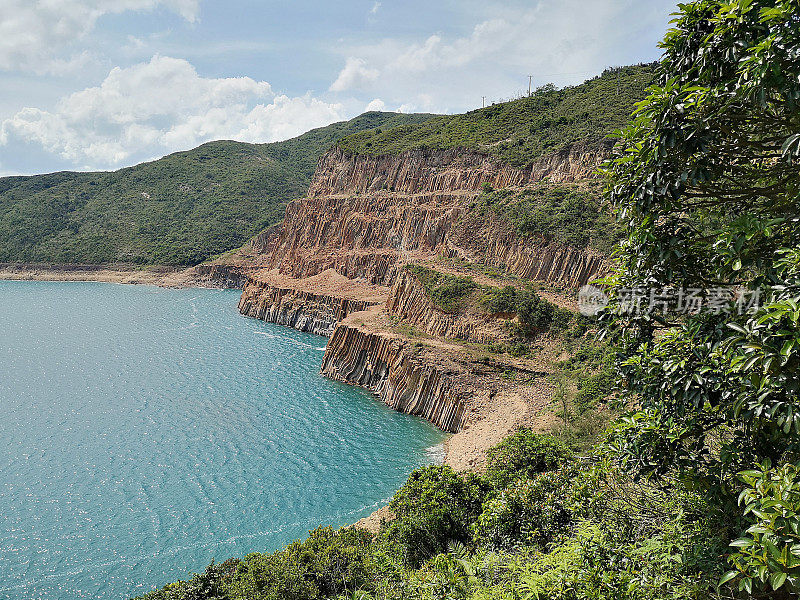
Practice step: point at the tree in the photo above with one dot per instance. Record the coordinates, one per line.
(707, 183)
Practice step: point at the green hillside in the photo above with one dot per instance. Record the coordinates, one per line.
(178, 210)
(519, 131)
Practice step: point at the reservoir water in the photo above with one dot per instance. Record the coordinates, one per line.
(145, 431)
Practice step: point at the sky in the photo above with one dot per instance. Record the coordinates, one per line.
(103, 84)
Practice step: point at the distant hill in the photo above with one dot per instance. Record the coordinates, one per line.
(178, 210)
(519, 131)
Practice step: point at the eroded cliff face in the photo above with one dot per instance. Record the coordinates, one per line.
(362, 236)
(365, 216)
(407, 301)
(390, 369)
(302, 310)
(429, 171)
(221, 275)
(363, 220)
(483, 237)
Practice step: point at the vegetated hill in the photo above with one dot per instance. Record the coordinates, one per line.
(519, 131)
(178, 210)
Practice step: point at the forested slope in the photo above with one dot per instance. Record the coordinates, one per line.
(178, 210)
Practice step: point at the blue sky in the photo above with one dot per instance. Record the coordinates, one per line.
(102, 84)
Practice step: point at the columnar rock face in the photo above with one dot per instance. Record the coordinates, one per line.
(302, 310)
(413, 172)
(365, 216)
(388, 368)
(362, 236)
(573, 163)
(407, 300)
(427, 171)
(496, 244)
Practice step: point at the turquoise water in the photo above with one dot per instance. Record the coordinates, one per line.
(146, 431)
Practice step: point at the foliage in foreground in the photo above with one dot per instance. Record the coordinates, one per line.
(708, 187)
(707, 183)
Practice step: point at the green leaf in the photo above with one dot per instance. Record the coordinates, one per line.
(727, 577)
(776, 580)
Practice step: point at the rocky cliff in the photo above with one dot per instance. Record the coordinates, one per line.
(407, 301)
(366, 215)
(338, 257)
(302, 310)
(390, 369)
(313, 305)
(429, 171)
(221, 275)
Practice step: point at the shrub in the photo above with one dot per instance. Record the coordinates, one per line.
(518, 350)
(207, 585)
(270, 577)
(535, 313)
(326, 563)
(594, 389)
(500, 300)
(433, 509)
(769, 554)
(447, 292)
(525, 454)
(530, 512)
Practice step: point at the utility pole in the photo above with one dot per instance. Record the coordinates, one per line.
(483, 101)
(530, 79)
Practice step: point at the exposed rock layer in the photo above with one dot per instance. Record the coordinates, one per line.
(407, 300)
(388, 368)
(426, 171)
(221, 275)
(365, 216)
(302, 310)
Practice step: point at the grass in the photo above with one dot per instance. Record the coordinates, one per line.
(448, 293)
(179, 210)
(519, 131)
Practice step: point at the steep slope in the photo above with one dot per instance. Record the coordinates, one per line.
(178, 210)
(433, 196)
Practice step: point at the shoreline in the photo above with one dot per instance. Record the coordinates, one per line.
(171, 277)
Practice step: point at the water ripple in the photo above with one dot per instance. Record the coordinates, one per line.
(147, 431)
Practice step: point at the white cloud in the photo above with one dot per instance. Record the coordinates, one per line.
(376, 104)
(445, 72)
(375, 8)
(355, 75)
(160, 106)
(34, 32)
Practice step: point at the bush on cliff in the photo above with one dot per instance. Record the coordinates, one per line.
(535, 313)
(524, 455)
(433, 509)
(447, 292)
(324, 564)
(570, 214)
